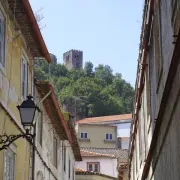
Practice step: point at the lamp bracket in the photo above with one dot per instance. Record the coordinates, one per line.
(6, 140)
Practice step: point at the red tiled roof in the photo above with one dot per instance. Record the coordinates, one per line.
(94, 154)
(79, 170)
(123, 138)
(120, 154)
(29, 27)
(106, 118)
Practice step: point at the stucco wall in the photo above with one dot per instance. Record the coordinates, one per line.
(97, 135)
(46, 151)
(165, 156)
(108, 166)
(11, 96)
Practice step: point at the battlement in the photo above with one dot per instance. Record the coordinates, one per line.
(74, 50)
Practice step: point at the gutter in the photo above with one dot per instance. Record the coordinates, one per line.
(35, 27)
(64, 124)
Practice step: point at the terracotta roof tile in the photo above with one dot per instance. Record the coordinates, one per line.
(124, 138)
(94, 154)
(79, 170)
(120, 154)
(106, 118)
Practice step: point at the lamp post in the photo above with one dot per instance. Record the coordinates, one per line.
(27, 112)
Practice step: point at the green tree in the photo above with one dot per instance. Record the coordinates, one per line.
(100, 92)
(88, 68)
(104, 73)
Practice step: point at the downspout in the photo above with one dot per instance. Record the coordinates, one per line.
(34, 132)
(33, 153)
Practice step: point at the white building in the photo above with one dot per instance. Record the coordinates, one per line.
(101, 163)
(103, 160)
(56, 143)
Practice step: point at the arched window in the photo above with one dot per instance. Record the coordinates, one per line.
(40, 175)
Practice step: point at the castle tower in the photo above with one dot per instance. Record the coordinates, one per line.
(73, 59)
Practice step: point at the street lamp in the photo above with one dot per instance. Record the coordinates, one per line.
(27, 112)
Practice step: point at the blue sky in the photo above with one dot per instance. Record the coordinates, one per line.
(107, 31)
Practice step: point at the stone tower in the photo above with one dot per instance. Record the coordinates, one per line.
(73, 59)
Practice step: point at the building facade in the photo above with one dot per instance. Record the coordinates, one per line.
(73, 59)
(155, 133)
(20, 43)
(121, 122)
(107, 161)
(97, 136)
(82, 174)
(100, 163)
(56, 143)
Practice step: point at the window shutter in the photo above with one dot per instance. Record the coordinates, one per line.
(106, 136)
(110, 136)
(96, 167)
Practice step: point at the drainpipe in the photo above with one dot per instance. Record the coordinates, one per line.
(34, 132)
(33, 153)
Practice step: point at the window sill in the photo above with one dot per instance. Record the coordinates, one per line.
(84, 139)
(109, 141)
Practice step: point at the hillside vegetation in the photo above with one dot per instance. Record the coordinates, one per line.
(98, 92)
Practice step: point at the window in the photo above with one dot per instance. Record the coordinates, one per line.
(2, 40)
(64, 158)
(69, 169)
(84, 135)
(24, 78)
(55, 151)
(40, 175)
(93, 166)
(108, 136)
(9, 161)
(40, 129)
(76, 57)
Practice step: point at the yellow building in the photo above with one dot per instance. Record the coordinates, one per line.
(96, 135)
(20, 43)
(82, 174)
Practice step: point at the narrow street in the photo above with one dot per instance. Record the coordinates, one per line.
(89, 90)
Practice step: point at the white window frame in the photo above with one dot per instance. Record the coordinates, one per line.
(93, 166)
(25, 77)
(3, 61)
(10, 151)
(109, 135)
(84, 135)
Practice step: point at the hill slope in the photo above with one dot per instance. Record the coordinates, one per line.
(98, 92)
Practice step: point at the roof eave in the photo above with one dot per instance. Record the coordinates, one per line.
(36, 30)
